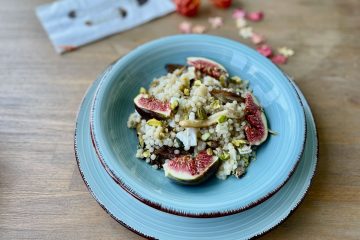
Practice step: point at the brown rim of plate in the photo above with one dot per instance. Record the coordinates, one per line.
(160, 207)
(149, 237)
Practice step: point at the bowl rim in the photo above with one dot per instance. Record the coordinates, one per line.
(157, 205)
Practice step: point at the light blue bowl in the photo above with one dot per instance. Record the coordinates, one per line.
(116, 145)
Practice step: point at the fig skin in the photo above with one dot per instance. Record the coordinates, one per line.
(210, 172)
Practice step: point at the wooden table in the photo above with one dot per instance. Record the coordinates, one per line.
(42, 195)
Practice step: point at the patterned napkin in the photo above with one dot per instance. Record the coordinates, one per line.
(73, 23)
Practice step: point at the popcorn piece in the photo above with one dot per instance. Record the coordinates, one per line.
(185, 27)
(199, 29)
(240, 23)
(265, 50)
(216, 22)
(287, 52)
(238, 13)
(255, 16)
(246, 32)
(279, 59)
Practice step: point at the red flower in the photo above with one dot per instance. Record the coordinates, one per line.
(279, 59)
(221, 3)
(265, 50)
(255, 16)
(187, 8)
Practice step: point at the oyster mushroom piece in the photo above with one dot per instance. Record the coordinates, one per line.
(226, 96)
(211, 120)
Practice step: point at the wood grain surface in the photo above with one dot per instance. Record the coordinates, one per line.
(42, 195)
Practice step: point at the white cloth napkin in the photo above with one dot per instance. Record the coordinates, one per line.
(73, 23)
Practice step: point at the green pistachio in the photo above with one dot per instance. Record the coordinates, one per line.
(186, 92)
(186, 82)
(246, 161)
(201, 113)
(197, 83)
(223, 81)
(146, 154)
(235, 80)
(224, 156)
(222, 119)
(238, 142)
(209, 151)
(143, 90)
(174, 104)
(215, 104)
(154, 122)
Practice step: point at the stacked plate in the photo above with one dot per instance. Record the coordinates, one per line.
(143, 200)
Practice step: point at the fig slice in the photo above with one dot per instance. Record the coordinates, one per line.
(187, 170)
(150, 107)
(208, 67)
(256, 130)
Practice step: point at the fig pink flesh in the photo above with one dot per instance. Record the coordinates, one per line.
(153, 103)
(202, 161)
(250, 106)
(192, 165)
(208, 68)
(255, 130)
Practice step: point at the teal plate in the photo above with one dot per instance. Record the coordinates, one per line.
(152, 223)
(116, 144)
